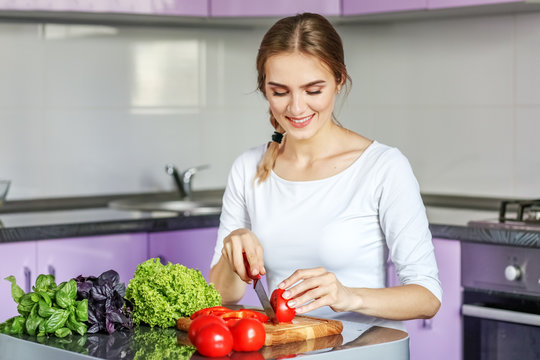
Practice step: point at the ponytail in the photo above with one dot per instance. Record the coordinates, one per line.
(269, 158)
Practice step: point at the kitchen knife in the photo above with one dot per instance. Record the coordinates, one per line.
(261, 293)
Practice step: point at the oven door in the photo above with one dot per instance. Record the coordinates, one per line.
(500, 326)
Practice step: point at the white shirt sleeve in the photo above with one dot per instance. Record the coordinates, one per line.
(234, 212)
(403, 219)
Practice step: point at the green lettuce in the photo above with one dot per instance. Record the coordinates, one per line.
(160, 294)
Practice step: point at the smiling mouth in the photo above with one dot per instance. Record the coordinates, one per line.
(300, 121)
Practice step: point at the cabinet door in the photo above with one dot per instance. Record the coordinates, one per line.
(240, 8)
(438, 4)
(155, 7)
(17, 259)
(355, 7)
(440, 337)
(193, 248)
(68, 258)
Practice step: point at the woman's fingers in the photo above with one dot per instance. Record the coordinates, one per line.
(313, 288)
(243, 251)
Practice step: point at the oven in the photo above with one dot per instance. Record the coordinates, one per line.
(501, 302)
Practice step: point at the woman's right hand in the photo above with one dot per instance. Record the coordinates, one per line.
(237, 243)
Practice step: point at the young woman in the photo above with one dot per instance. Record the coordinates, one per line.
(319, 208)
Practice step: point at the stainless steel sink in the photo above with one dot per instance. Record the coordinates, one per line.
(184, 207)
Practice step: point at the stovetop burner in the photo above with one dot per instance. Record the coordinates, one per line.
(514, 215)
(527, 211)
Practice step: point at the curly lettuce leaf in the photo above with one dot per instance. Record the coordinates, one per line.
(161, 294)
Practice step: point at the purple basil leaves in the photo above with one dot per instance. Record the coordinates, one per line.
(105, 294)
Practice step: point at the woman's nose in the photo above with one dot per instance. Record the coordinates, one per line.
(297, 105)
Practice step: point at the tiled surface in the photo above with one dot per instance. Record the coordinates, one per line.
(100, 109)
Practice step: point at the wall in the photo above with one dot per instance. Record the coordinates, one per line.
(100, 109)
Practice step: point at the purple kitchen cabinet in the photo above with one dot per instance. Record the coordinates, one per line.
(439, 4)
(155, 7)
(355, 7)
(247, 8)
(440, 337)
(192, 248)
(17, 259)
(68, 258)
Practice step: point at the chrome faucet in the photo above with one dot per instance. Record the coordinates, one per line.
(183, 180)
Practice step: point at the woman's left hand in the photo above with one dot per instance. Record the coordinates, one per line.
(315, 288)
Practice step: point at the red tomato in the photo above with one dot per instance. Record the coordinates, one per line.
(214, 340)
(284, 314)
(248, 335)
(231, 322)
(201, 321)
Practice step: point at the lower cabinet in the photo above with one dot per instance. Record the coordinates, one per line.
(17, 259)
(439, 337)
(193, 248)
(71, 257)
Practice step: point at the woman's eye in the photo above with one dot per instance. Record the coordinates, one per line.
(279, 93)
(314, 92)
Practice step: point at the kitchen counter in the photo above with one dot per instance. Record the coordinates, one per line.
(357, 341)
(69, 221)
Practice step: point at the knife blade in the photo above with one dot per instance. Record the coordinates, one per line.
(261, 293)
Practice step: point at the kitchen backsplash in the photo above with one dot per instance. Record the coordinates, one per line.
(89, 109)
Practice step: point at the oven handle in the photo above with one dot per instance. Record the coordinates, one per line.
(501, 315)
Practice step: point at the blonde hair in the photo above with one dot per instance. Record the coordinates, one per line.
(308, 33)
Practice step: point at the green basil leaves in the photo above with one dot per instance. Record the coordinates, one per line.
(48, 309)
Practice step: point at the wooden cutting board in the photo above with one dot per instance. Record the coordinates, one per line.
(302, 328)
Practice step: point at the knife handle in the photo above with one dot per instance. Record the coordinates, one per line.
(246, 264)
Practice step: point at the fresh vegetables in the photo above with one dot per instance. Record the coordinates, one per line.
(228, 314)
(48, 309)
(105, 296)
(155, 344)
(212, 327)
(160, 294)
(214, 340)
(248, 335)
(201, 321)
(284, 314)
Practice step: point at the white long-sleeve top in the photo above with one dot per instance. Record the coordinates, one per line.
(346, 223)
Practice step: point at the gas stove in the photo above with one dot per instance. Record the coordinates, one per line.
(514, 215)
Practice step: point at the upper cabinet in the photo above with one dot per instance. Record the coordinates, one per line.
(439, 4)
(230, 11)
(355, 7)
(247, 8)
(154, 7)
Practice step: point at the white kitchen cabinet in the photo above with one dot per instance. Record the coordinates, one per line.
(17, 259)
(440, 337)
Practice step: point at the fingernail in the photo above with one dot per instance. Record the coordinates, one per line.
(286, 295)
(281, 286)
(291, 303)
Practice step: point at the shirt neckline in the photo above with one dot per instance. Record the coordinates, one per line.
(347, 169)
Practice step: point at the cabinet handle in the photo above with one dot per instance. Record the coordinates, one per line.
(51, 270)
(27, 279)
(427, 323)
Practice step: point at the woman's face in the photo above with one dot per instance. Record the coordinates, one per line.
(301, 91)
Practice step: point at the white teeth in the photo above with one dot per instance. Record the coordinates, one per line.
(299, 121)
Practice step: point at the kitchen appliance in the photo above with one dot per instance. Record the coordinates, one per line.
(514, 215)
(501, 301)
